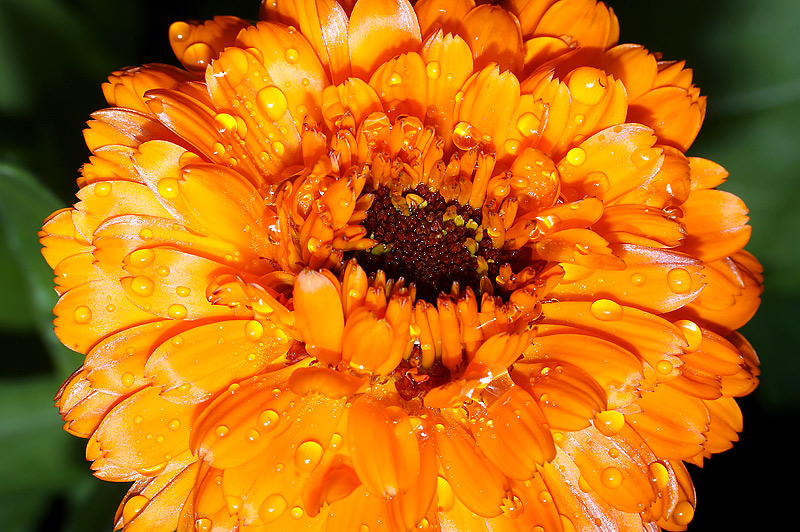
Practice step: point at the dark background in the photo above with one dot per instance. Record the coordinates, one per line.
(54, 54)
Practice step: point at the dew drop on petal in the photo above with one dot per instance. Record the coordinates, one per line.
(611, 477)
(576, 156)
(269, 418)
(528, 124)
(664, 367)
(465, 136)
(272, 508)
(221, 431)
(234, 503)
(253, 436)
(679, 280)
(203, 524)
(272, 102)
(174, 424)
(102, 189)
(433, 70)
(693, 334)
(146, 234)
(297, 512)
(183, 291)
(253, 330)
(142, 286)
(566, 524)
(606, 310)
(177, 312)
(179, 31)
(444, 495)
(336, 441)
(142, 258)
(638, 279)
(587, 85)
(133, 506)
(127, 379)
(683, 513)
(307, 455)
(278, 148)
(596, 183)
(82, 314)
(197, 56)
(291, 56)
(609, 422)
(226, 123)
(658, 475)
(395, 79)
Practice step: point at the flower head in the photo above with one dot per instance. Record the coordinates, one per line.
(374, 266)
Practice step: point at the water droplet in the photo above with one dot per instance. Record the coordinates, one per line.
(272, 508)
(142, 258)
(611, 477)
(203, 524)
(253, 436)
(528, 124)
(638, 279)
(606, 310)
(102, 190)
(179, 31)
(566, 524)
(445, 495)
(146, 234)
(133, 506)
(664, 367)
(308, 455)
(642, 157)
(596, 183)
(465, 136)
(234, 503)
(176, 312)
(174, 424)
(221, 431)
(512, 507)
(545, 497)
(82, 315)
(253, 330)
(583, 485)
(395, 79)
(278, 148)
(291, 56)
(609, 422)
(363, 528)
(336, 441)
(127, 379)
(579, 119)
(177, 340)
(433, 69)
(659, 475)
(679, 280)
(226, 123)
(138, 419)
(272, 102)
(297, 512)
(197, 56)
(142, 286)
(163, 271)
(683, 513)
(587, 85)
(269, 418)
(693, 334)
(511, 146)
(576, 156)
(183, 291)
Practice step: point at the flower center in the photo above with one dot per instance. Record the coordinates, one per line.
(435, 244)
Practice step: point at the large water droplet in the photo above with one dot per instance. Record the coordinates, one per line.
(133, 506)
(272, 508)
(683, 513)
(82, 315)
(433, 70)
(611, 477)
(142, 258)
(197, 56)
(606, 310)
(308, 455)
(203, 524)
(465, 136)
(609, 422)
(659, 475)
(291, 56)
(679, 280)
(587, 85)
(576, 156)
(142, 286)
(102, 190)
(272, 102)
(253, 330)
(269, 419)
(226, 123)
(177, 312)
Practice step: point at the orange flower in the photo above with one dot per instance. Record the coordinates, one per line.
(374, 266)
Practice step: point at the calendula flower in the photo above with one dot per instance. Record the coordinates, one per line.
(367, 265)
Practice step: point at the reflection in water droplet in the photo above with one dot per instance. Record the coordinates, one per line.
(269, 418)
(606, 310)
(308, 455)
(272, 102)
(226, 123)
(203, 525)
(465, 136)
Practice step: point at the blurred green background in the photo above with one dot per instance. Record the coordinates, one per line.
(54, 54)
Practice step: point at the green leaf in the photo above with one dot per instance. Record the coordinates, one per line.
(24, 204)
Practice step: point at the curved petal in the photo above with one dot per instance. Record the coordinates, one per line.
(379, 30)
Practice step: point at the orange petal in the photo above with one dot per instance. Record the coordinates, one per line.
(326, 381)
(354, 96)
(196, 45)
(672, 112)
(590, 23)
(494, 36)
(716, 223)
(706, 174)
(638, 225)
(655, 280)
(513, 435)
(318, 315)
(613, 367)
(462, 463)
(401, 84)
(126, 88)
(434, 15)
(488, 102)
(324, 24)
(632, 64)
(379, 30)
(144, 432)
(385, 451)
